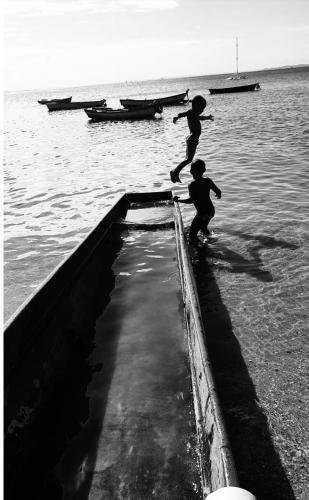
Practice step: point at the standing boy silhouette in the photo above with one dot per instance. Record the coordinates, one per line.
(199, 195)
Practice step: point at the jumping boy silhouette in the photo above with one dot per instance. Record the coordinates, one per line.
(194, 119)
(199, 195)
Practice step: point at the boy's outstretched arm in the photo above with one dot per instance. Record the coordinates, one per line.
(206, 117)
(180, 115)
(187, 200)
(215, 189)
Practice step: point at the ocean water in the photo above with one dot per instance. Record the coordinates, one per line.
(62, 173)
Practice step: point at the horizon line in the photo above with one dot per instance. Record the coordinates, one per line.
(272, 68)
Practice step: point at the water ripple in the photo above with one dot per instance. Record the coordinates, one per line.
(62, 173)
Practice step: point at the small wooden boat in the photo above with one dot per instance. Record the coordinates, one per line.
(98, 398)
(165, 101)
(107, 114)
(59, 106)
(239, 88)
(45, 101)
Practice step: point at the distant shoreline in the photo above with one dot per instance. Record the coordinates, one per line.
(244, 72)
(285, 67)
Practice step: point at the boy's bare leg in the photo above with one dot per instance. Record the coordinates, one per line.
(174, 174)
(205, 222)
(191, 148)
(194, 229)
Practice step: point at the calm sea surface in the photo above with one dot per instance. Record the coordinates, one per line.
(62, 174)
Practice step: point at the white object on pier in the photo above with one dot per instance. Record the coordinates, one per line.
(231, 493)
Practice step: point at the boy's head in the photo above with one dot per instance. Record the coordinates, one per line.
(199, 103)
(198, 167)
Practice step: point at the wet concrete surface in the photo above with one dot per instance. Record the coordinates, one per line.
(139, 440)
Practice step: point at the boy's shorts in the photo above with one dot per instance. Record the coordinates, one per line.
(192, 143)
(205, 216)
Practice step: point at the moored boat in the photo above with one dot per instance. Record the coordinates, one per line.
(239, 88)
(237, 76)
(107, 114)
(165, 101)
(96, 370)
(45, 101)
(59, 106)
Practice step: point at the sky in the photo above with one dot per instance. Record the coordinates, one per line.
(63, 43)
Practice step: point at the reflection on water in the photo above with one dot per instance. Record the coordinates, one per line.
(62, 173)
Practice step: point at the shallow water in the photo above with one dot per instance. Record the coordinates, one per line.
(140, 438)
(63, 172)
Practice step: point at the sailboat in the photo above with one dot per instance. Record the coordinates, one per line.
(237, 76)
(239, 88)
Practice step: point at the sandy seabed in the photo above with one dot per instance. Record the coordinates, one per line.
(266, 417)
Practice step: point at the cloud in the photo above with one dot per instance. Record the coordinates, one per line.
(147, 4)
(13, 7)
(298, 28)
(62, 7)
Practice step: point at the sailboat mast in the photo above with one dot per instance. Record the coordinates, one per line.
(237, 56)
